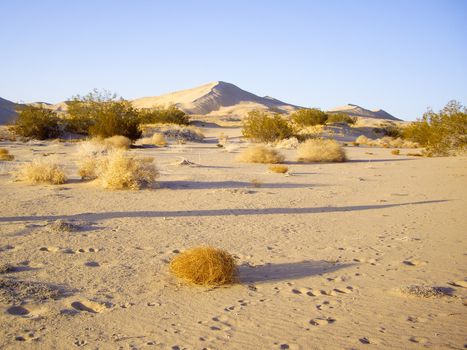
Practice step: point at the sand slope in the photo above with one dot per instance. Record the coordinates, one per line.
(7, 111)
(357, 111)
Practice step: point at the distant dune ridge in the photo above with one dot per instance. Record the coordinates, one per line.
(214, 99)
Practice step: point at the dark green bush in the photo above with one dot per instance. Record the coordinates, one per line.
(340, 118)
(170, 115)
(102, 114)
(443, 133)
(38, 123)
(264, 127)
(309, 117)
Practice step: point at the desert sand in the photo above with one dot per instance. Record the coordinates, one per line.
(328, 255)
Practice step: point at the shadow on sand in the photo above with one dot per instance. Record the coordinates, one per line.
(286, 271)
(208, 212)
(175, 185)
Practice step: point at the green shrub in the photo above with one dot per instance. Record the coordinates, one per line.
(170, 115)
(443, 133)
(340, 118)
(389, 129)
(263, 127)
(101, 114)
(37, 122)
(309, 117)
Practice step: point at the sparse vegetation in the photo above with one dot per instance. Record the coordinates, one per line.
(205, 266)
(320, 150)
(169, 115)
(180, 133)
(5, 155)
(443, 133)
(386, 142)
(264, 127)
(260, 154)
(41, 171)
(309, 117)
(340, 118)
(280, 169)
(37, 123)
(395, 152)
(117, 141)
(159, 140)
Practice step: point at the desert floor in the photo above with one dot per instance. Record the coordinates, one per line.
(323, 253)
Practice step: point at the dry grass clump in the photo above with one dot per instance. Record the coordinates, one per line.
(159, 140)
(90, 155)
(290, 143)
(41, 171)
(260, 154)
(386, 142)
(119, 171)
(5, 155)
(320, 150)
(175, 131)
(395, 152)
(117, 141)
(205, 266)
(280, 169)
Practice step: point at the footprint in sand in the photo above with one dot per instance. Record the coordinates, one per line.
(419, 340)
(17, 311)
(414, 262)
(89, 306)
(320, 321)
(49, 249)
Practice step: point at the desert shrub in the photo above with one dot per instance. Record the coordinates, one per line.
(320, 150)
(119, 171)
(117, 141)
(205, 266)
(391, 130)
(37, 122)
(280, 169)
(260, 154)
(309, 117)
(231, 147)
(363, 140)
(177, 132)
(443, 133)
(395, 152)
(5, 155)
(102, 114)
(159, 140)
(291, 143)
(90, 154)
(41, 171)
(170, 115)
(340, 118)
(263, 127)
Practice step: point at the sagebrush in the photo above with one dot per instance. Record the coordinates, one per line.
(261, 126)
(260, 154)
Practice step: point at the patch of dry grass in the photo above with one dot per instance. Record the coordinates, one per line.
(386, 142)
(395, 152)
(280, 169)
(117, 141)
(41, 171)
(260, 154)
(5, 155)
(205, 266)
(320, 150)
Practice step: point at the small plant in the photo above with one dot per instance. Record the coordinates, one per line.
(37, 123)
(280, 169)
(260, 154)
(309, 117)
(205, 266)
(340, 118)
(5, 155)
(263, 127)
(395, 152)
(117, 141)
(321, 150)
(41, 171)
(118, 171)
(159, 140)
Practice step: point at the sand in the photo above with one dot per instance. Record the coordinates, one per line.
(334, 256)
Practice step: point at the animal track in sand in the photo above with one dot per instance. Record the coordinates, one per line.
(89, 306)
(322, 321)
(414, 262)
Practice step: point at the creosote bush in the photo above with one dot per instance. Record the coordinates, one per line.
(340, 118)
(169, 115)
(260, 154)
(280, 169)
(320, 150)
(41, 171)
(309, 117)
(261, 126)
(37, 123)
(5, 155)
(205, 266)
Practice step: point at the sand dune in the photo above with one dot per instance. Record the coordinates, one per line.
(357, 111)
(7, 111)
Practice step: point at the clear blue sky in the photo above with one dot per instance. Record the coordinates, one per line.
(402, 56)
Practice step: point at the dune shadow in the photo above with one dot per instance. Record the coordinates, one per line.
(286, 271)
(175, 185)
(210, 212)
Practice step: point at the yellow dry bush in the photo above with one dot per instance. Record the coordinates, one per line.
(119, 171)
(281, 169)
(363, 140)
(159, 140)
(117, 141)
(41, 171)
(260, 154)
(206, 266)
(87, 167)
(5, 155)
(320, 150)
(395, 152)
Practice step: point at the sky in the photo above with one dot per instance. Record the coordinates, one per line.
(401, 56)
